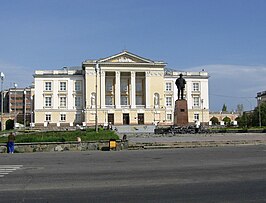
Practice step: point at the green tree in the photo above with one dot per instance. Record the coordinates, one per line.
(227, 120)
(259, 112)
(9, 124)
(214, 120)
(224, 109)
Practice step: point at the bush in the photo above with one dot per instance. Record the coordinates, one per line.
(63, 136)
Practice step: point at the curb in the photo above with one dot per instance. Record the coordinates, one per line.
(194, 144)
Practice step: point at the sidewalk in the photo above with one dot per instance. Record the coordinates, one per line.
(146, 141)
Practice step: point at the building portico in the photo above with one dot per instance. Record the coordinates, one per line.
(125, 89)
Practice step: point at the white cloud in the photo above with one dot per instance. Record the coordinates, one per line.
(234, 84)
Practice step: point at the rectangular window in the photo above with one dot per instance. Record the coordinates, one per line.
(62, 102)
(124, 100)
(124, 85)
(62, 117)
(63, 86)
(48, 86)
(48, 101)
(168, 86)
(78, 118)
(109, 100)
(168, 101)
(196, 102)
(169, 117)
(78, 86)
(195, 86)
(109, 84)
(47, 117)
(77, 101)
(139, 100)
(196, 116)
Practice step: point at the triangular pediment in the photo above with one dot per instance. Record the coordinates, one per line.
(125, 57)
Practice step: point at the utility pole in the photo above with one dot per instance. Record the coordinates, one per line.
(2, 98)
(96, 95)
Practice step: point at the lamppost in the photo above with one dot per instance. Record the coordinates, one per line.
(25, 107)
(31, 111)
(96, 92)
(15, 120)
(202, 110)
(259, 100)
(2, 98)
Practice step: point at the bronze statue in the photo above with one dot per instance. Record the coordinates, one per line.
(180, 83)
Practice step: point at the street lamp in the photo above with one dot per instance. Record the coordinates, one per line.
(96, 92)
(31, 111)
(259, 100)
(25, 107)
(2, 98)
(15, 120)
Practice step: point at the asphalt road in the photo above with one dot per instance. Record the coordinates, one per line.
(222, 174)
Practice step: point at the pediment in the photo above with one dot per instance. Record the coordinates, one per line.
(125, 57)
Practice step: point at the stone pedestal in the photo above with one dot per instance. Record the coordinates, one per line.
(181, 113)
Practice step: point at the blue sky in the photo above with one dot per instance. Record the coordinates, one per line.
(226, 38)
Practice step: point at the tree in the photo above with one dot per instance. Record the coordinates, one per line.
(9, 124)
(224, 109)
(259, 112)
(227, 120)
(214, 120)
(240, 109)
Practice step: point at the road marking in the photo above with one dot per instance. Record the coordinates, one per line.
(6, 169)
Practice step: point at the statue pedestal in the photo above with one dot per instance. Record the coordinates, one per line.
(181, 113)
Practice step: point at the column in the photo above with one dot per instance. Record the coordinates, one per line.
(102, 89)
(133, 90)
(117, 89)
(147, 89)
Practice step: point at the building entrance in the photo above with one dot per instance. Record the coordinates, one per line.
(125, 119)
(111, 119)
(141, 118)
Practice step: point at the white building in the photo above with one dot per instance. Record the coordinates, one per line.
(59, 97)
(123, 89)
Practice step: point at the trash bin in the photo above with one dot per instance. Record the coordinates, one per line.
(112, 144)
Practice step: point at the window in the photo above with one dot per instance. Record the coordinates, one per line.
(109, 84)
(169, 117)
(48, 101)
(47, 117)
(124, 100)
(196, 116)
(48, 86)
(62, 117)
(168, 86)
(109, 100)
(139, 100)
(168, 101)
(78, 86)
(196, 102)
(62, 86)
(77, 101)
(62, 102)
(78, 118)
(195, 86)
(124, 85)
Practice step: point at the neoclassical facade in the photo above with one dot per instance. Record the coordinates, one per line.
(123, 89)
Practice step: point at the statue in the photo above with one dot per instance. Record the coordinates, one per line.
(180, 83)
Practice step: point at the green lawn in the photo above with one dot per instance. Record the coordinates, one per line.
(63, 136)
